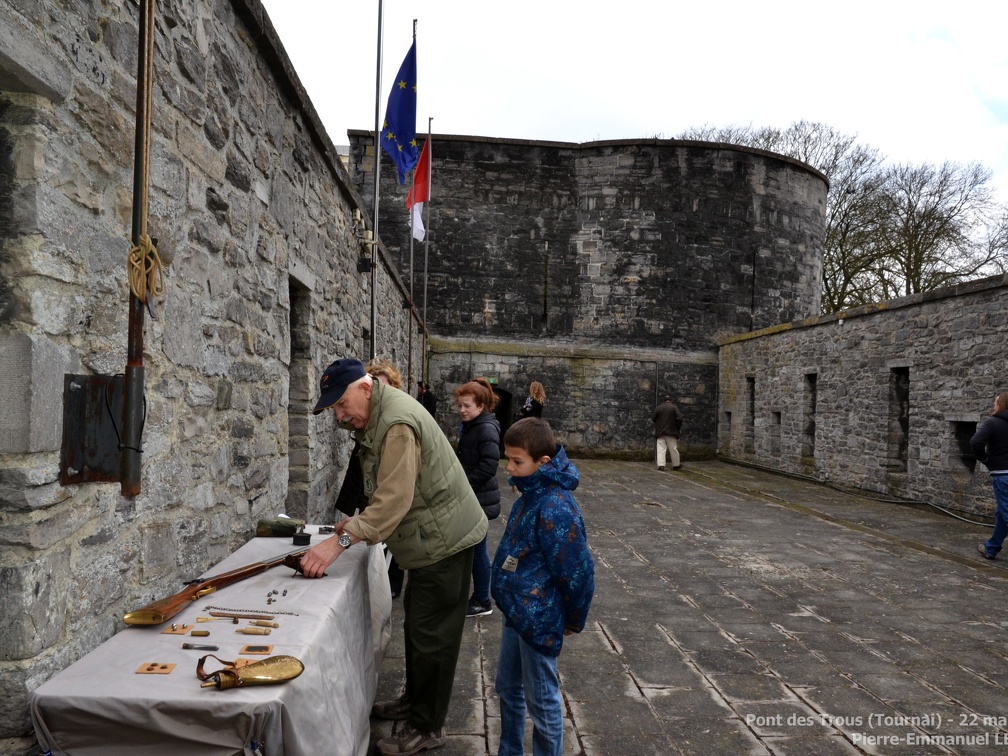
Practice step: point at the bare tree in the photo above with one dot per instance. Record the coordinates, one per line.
(742, 135)
(851, 256)
(934, 229)
(996, 240)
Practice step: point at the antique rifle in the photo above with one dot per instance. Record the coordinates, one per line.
(166, 608)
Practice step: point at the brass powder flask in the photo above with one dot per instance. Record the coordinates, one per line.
(270, 671)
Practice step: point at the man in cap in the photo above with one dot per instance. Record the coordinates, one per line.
(428, 516)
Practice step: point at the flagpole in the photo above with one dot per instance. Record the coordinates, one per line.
(423, 348)
(409, 325)
(374, 212)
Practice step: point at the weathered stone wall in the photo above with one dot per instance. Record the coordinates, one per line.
(599, 400)
(654, 243)
(898, 389)
(600, 260)
(253, 213)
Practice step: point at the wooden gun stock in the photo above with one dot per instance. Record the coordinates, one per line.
(166, 608)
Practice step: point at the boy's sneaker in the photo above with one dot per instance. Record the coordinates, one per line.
(409, 741)
(478, 608)
(394, 710)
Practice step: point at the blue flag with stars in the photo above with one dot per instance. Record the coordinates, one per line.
(398, 137)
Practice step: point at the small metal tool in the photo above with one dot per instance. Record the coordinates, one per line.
(200, 647)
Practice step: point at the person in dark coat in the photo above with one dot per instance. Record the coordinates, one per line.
(990, 445)
(427, 398)
(667, 421)
(479, 453)
(534, 402)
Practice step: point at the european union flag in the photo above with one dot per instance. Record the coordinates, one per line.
(398, 137)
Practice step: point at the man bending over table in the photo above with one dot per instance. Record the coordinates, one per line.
(422, 506)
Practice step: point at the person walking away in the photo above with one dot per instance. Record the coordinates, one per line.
(543, 579)
(667, 421)
(428, 516)
(479, 453)
(427, 398)
(534, 402)
(990, 445)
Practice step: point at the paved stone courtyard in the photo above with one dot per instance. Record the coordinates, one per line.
(742, 612)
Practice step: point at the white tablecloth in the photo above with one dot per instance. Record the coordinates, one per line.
(99, 705)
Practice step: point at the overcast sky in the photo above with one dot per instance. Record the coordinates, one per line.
(921, 81)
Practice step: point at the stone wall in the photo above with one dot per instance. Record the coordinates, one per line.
(599, 261)
(253, 216)
(599, 400)
(656, 243)
(882, 398)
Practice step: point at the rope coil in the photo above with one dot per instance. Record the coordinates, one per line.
(144, 269)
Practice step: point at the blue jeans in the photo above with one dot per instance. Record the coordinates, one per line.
(527, 677)
(994, 543)
(481, 572)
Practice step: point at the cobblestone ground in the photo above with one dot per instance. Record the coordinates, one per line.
(739, 612)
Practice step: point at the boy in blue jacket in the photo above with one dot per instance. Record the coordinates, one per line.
(543, 578)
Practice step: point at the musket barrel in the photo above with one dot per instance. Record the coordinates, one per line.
(163, 610)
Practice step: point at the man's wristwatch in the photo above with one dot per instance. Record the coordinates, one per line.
(344, 540)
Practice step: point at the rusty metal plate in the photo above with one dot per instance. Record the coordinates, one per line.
(92, 414)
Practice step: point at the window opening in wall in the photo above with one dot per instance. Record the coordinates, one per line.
(726, 431)
(750, 432)
(962, 452)
(299, 405)
(775, 431)
(809, 400)
(899, 418)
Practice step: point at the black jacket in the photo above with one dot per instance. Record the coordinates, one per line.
(531, 408)
(990, 442)
(351, 495)
(479, 453)
(667, 420)
(429, 401)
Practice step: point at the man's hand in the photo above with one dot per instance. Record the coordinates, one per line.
(317, 558)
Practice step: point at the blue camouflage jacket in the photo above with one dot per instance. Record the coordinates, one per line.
(543, 576)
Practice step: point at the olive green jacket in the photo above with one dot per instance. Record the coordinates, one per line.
(444, 517)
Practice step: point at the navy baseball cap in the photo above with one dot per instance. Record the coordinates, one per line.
(334, 382)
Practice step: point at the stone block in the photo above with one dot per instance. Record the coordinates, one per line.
(297, 503)
(31, 410)
(14, 717)
(158, 550)
(35, 599)
(27, 64)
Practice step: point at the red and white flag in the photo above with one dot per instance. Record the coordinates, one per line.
(419, 193)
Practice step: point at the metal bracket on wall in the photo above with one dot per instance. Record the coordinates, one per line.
(92, 408)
